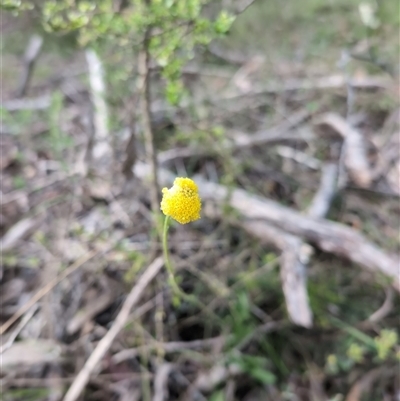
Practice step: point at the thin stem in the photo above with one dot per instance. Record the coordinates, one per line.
(175, 287)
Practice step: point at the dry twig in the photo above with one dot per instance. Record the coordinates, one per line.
(30, 56)
(161, 382)
(18, 329)
(105, 343)
(45, 290)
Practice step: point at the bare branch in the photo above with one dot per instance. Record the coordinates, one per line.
(327, 235)
(101, 145)
(31, 54)
(294, 256)
(321, 202)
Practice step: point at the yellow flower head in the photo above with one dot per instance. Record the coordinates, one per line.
(182, 202)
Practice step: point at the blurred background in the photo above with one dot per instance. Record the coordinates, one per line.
(286, 114)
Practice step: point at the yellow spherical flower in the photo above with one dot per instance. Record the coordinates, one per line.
(182, 202)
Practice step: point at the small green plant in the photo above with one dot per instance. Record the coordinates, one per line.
(385, 342)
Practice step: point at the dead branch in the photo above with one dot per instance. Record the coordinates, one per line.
(321, 202)
(19, 231)
(355, 156)
(105, 343)
(30, 56)
(384, 310)
(276, 134)
(18, 329)
(299, 157)
(329, 236)
(328, 82)
(37, 103)
(101, 147)
(294, 256)
(161, 382)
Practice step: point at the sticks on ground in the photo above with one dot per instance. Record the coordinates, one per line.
(294, 256)
(105, 343)
(327, 235)
(45, 290)
(278, 134)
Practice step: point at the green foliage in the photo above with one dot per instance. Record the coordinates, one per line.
(16, 6)
(356, 352)
(386, 340)
(355, 347)
(173, 28)
(256, 367)
(26, 394)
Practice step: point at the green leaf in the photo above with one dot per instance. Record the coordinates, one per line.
(263, 376)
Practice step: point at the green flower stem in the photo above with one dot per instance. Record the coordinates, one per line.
(171, 276)
(175, 287)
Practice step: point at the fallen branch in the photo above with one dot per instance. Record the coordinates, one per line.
(355, 156)
(321, 202)
(105, 343)
(23, 229)
(38, 103)
(329, 236)
(294, 256)
(328, 82)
